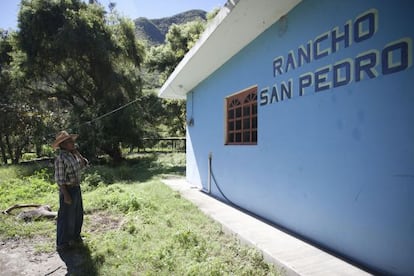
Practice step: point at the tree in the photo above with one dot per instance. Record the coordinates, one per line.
(21, 120)
(179, 40)
(164, 58)
(88, 62)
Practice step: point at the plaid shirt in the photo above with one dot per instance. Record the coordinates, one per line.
(68, 169)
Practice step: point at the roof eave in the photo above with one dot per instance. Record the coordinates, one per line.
(235, 26)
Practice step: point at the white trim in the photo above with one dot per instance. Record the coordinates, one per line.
(235, 26)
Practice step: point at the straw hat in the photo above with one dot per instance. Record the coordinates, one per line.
(63, 136)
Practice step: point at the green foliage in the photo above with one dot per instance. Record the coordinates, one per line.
(29, 156)
(16, 187)
(33, 188)
(21, 120)
(175, 117)
(84, 65)
(154, 30)
(162, 234)
(92, 181)
(47, 150)
(137, 226)
(179, 40)
(71, 62)
(15, 228)
(212, 14)
(164, 58)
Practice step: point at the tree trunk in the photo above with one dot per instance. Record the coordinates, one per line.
(114, 151)
(18, 150)
(3, 151)
(9, 147)
(17, 155)
(38, 150)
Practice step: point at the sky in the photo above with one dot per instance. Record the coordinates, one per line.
(151, 9)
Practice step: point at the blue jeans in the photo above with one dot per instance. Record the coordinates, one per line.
(70, 217)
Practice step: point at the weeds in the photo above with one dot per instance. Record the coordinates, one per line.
(134, 224)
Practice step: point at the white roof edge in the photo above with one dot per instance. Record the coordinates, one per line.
(211, 26)
(235, 29)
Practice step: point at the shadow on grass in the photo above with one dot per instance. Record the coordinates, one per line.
(140, 168)
(135, 168)
(79, 261)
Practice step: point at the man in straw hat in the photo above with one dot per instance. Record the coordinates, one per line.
(68, 165)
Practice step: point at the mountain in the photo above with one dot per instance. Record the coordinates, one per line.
(154, 30)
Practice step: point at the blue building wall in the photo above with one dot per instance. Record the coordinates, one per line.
(335, 166)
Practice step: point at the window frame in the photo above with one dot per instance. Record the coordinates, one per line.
(241, 117)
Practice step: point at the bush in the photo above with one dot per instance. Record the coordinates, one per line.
(29, 156)
(47, 150)
(91, 181)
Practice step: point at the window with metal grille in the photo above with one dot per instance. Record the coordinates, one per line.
(241, 128)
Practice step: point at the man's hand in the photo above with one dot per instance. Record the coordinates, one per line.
(84, 161)
(67, 199)
(76, 152)
(66, 196)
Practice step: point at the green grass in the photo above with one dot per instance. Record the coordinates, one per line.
(134, 224)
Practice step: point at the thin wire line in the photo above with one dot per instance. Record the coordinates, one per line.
(109, 113)
(112, 111)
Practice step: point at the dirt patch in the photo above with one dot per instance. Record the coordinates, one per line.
(22, 257)
(19, 257)
(101, 222)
